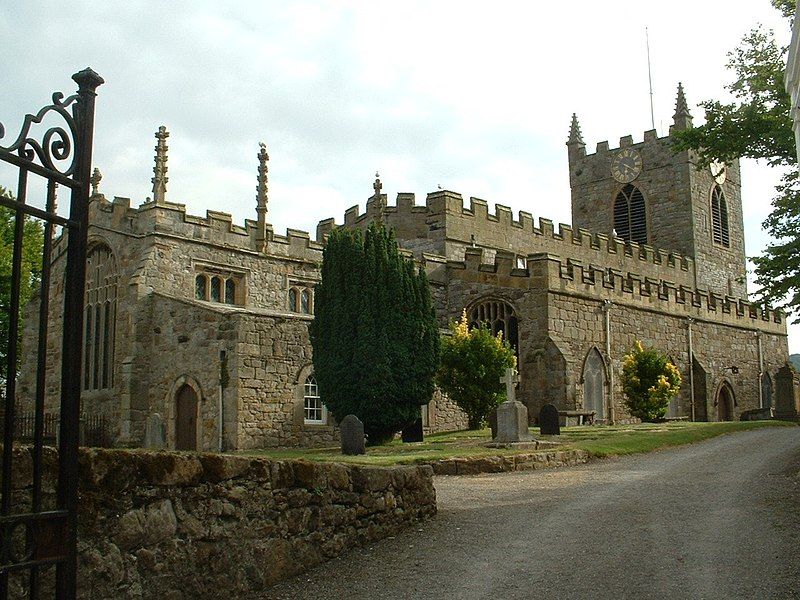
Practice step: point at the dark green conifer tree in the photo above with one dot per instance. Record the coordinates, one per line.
(374, 335)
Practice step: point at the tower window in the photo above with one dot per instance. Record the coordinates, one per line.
(630, 215)
(719, 218)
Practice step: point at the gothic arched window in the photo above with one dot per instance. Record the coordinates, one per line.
(719, 218)
(216, 289)
(305, 302)
(630, 215)
(100, 317)
(230, 291)
(497, 316)
(200, 287)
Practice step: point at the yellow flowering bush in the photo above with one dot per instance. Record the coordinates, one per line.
(649, 382)
(471, 363)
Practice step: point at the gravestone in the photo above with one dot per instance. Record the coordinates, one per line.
(155, 432)
(512, 416)
(352, 432)
(549, 420)
(413, 433)
(787, 394)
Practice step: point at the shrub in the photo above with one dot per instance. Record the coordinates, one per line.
(649, 382)
(374, 335)
(471, 365)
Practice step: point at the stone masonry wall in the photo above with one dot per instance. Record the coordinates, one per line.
(561, 310)
(179, 526)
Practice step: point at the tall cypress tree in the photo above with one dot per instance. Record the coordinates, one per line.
(374, 334)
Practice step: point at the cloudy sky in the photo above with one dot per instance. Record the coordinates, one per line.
(475, 97)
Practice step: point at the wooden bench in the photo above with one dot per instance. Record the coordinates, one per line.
(582, 417)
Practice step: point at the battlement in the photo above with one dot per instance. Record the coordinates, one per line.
(449, 228)
(551, 272)
(602, 149)
(170, 218)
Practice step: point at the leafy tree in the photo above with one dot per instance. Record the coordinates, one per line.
(757, 124)
(649, 382)
(374, 334)
(470, 368)
(32, 241)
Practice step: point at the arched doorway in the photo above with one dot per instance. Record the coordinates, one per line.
(186, 418)
(594, 384)
(725, 403)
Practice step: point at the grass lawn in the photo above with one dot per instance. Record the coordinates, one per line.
(600, 441)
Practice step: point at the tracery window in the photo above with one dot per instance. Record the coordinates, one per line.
(630, 215)
(218, 288)
(100, 317)
(497, 316)
(314, 412)
(719, 217)
(301, 299)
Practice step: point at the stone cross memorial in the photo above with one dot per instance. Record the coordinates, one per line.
(512, 416)
(549, 421)
(352, 432)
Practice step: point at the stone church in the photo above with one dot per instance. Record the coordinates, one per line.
(196, 328)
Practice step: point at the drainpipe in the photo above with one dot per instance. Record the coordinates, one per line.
(689, 322)
(760, 370)
(607, 310)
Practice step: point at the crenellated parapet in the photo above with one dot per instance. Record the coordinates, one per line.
(445, 226)
(545, 271)
(172, 219)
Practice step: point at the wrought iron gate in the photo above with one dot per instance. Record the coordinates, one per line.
(37, 530)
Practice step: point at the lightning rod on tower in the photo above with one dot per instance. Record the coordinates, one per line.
(649, 78)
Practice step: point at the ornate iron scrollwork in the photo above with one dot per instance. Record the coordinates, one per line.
(58, 142)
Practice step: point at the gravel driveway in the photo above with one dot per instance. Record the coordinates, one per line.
(719, 519)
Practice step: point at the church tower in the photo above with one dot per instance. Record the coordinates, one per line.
(647, 193)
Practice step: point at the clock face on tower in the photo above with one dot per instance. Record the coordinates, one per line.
(626, 165)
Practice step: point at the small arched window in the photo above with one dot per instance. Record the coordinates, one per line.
(200, 287)
(630, 215)
(313, 410)
(719, 218)
(216, 289)
(305, 302)
(292, 299)
(230, 291)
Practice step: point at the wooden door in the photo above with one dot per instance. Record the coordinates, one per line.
(186, 419)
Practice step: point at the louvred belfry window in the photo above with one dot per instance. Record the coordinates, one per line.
(719, 218)
(630, 215)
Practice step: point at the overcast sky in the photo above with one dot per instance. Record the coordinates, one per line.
(475, 97)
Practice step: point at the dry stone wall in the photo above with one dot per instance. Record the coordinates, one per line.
(182, 526)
